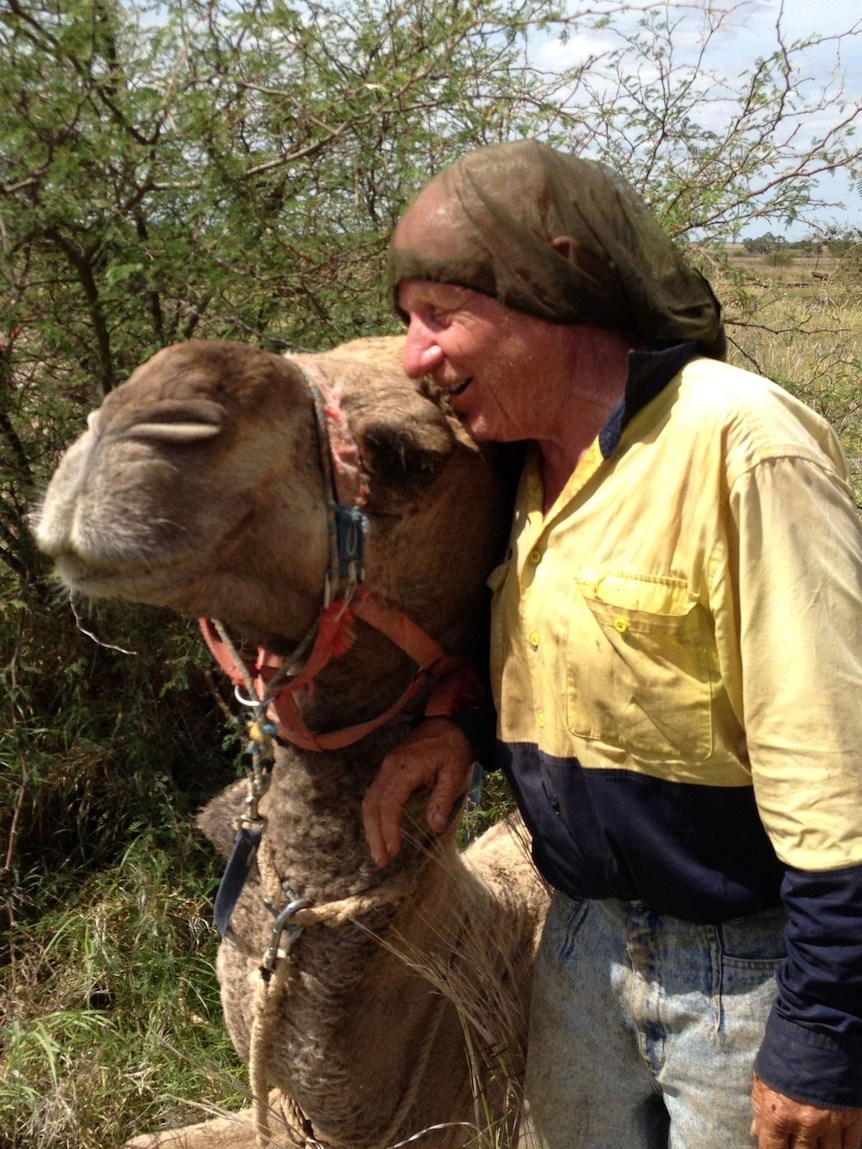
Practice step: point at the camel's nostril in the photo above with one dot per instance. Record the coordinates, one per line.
(161, 420)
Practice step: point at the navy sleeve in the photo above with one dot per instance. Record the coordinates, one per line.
(812, 1049)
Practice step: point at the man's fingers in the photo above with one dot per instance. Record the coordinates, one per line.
(381, 851)
(449, 786)
(783, 1123)
(852, 1134)
(770, 1139)
(437, 755)
(400, 774)
(383, 806)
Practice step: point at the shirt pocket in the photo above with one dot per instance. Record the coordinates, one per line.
(640, 667)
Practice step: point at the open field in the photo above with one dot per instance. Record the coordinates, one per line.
(787, 267)
(803, 332)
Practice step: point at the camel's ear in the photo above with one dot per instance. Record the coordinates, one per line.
(406, 446)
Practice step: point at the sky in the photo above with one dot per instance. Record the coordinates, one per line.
(748, 31)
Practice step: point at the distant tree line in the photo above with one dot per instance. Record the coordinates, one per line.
(833, 241)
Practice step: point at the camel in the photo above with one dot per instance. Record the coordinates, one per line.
(393, 1005)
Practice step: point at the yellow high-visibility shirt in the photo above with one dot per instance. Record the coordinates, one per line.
(677, 669)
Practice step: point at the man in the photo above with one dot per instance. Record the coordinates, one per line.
(675, 665)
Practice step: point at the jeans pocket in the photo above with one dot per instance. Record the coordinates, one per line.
(750, 951)
(756, 941)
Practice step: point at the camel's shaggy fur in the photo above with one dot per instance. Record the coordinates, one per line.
(198, 486)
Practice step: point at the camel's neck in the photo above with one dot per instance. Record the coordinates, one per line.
(314, 819)
(357, 1000)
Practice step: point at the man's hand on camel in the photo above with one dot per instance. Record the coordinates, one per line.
(437, 755)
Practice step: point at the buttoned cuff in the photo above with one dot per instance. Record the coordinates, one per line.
(812, 1066)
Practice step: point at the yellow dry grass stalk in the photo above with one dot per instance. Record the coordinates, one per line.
(805, 334)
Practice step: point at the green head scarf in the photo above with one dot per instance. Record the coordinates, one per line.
(555, 236)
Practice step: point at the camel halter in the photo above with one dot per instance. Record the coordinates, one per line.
(273, 686)
(273, 680)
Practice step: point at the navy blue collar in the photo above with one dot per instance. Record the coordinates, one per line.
(649, 373)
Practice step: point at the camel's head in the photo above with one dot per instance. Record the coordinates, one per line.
(198, 484)
(158, 500)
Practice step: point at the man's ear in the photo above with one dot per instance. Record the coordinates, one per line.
(579, 256)
(565, 246)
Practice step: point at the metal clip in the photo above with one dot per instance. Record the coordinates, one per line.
(281, 924)
(351, 526)
(250, 702)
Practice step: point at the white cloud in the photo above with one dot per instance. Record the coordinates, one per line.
(747, 31)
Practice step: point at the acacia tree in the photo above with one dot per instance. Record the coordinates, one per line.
(711, 152)
(187, 168)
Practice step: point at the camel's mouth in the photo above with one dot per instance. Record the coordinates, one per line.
(139, 568)
(148, 582)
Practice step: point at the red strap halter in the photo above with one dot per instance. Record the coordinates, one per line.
(458, 682)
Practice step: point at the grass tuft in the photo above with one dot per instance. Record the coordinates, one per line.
(107, 990)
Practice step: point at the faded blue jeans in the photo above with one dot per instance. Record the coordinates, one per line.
(644, 1028)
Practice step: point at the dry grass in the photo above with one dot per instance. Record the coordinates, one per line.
(804, 333)
(104, 992)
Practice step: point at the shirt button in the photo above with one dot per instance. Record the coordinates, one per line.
(540, 718)
(621, 625)
(535, 557)
(534, 640)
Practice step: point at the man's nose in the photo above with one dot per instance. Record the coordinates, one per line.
(421, 353)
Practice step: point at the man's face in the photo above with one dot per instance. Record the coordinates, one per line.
(488, 358)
